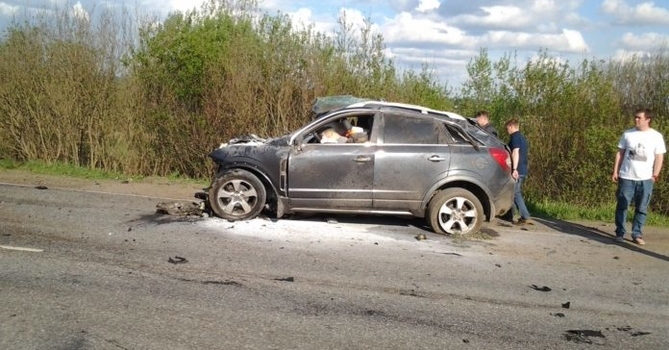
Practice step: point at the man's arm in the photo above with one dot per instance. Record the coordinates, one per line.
(657, 166)
(616, 164)
(515, 158)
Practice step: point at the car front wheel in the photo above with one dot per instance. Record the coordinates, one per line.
(455, 211)
(237, 195)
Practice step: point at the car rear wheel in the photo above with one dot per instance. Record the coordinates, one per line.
(455, 211)
(237, 195)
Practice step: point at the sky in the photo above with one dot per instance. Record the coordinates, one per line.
(447, 34)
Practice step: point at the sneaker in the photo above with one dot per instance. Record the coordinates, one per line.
(639, 241)
(521, 222)
(620, 239)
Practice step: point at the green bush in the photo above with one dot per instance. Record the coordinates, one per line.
(156, 99)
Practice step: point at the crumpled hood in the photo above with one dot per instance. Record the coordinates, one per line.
(255, 140)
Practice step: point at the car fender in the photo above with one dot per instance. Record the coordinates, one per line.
(463, 178)
(250, 165)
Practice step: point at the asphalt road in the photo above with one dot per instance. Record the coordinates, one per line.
(94, 270)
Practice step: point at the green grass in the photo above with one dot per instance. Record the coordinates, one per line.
(59, 169)
(604, 212)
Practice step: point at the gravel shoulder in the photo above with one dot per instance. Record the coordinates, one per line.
(149, 187)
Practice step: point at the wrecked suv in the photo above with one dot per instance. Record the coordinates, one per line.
(369, 157)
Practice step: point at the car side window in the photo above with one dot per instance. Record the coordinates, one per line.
(400, 129)
(352, 128)
(456, 135)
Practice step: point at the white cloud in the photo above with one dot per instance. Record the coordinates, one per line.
(403, 5)
(626, 55)
(8, 10)
(406, 28)
(539, 15)
(567, 41)
(509, 16)
(643, 41)
(303, 17)
(79, 12)
(428, 5)
(646, 13)
(575, 41)
(496, 17)
(184, 5)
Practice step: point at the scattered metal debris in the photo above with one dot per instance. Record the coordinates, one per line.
(225, 283)
(541, 289)
(181, 208)
(449, 253)
(177, 260)
(411, 293)
(287, 279)
(421, 237)
(633, 334)
(583, 335)
(636, 334)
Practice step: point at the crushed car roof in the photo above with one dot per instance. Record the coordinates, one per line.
(421, 109)
(329, 103)
(326, 104)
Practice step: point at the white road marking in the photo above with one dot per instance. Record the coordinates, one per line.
(22, 249)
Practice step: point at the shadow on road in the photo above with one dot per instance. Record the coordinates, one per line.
(380, 220)
(593, 233)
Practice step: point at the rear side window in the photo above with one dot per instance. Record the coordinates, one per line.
(401, 129)
(456, 134)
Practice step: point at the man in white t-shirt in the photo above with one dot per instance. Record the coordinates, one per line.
(637, 167)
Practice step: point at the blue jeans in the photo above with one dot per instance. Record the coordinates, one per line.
(518, 201)
(637, 192)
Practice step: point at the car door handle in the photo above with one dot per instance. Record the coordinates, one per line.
(436, 159)
(362, 159)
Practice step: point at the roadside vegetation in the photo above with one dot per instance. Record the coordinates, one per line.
(117, 93)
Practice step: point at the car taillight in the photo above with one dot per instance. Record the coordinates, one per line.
(502, 158)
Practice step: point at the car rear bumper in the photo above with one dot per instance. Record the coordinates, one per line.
(504, 201)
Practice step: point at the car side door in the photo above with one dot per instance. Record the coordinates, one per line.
(332, 175)
(412, 154)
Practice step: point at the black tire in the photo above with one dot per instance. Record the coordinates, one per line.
(237, 195)
(455, 211)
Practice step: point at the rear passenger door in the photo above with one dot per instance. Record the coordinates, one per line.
(412, 153)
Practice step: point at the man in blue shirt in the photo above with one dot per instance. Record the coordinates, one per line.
(519, 167)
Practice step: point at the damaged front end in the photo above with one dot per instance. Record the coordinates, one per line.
(247, 176)
(251, 139)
